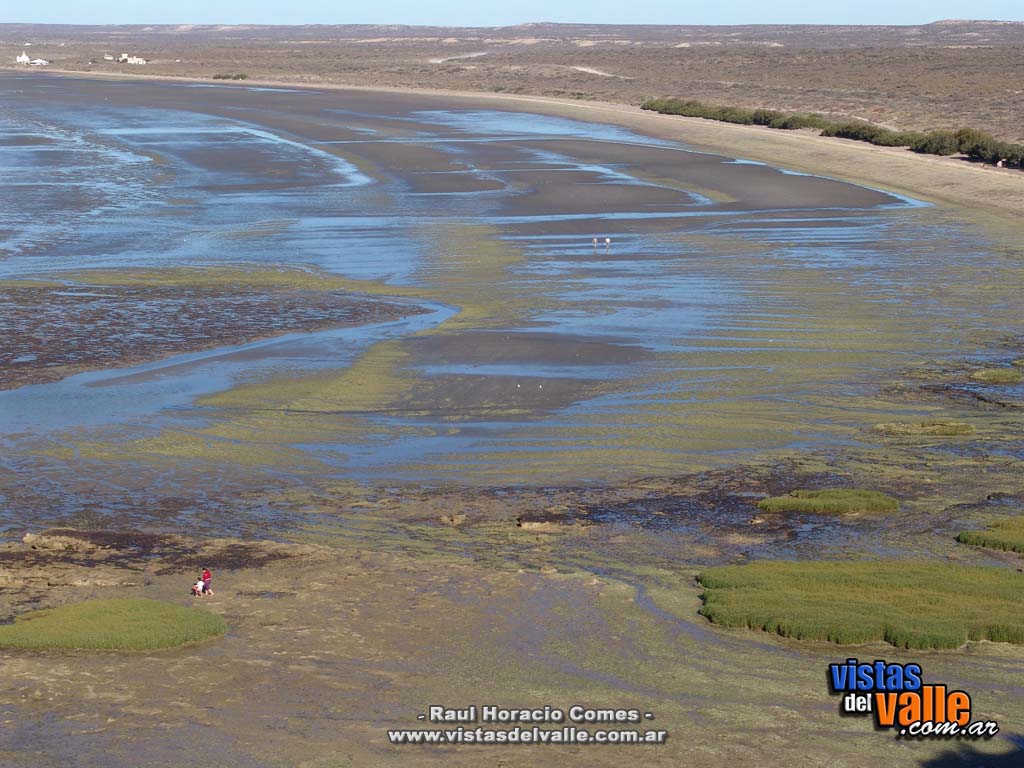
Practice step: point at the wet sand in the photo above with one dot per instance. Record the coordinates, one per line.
(58, 331)
(414, 597)
(507, 496)
(947, 180)
(492, 214)
(952, 181)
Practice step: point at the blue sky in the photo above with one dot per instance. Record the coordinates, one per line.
(484, 13)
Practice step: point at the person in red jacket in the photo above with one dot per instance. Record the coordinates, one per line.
(207, 577)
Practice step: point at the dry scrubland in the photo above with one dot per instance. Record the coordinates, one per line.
(941, 75)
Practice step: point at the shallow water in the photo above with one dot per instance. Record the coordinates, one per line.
(118, 395)
(737, 310)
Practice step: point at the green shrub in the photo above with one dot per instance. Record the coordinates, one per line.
(733, 115)
(830, 502)
(1013, 154)
(861, 131)
(692, 108)
(797, 121)
(937, 143)
(768, 117)
(909, 138)
(969, 141)
(976, 144)
(132, 624)
(907, 604)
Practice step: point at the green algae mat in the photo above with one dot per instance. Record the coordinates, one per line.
(129, 624)
(906, 604)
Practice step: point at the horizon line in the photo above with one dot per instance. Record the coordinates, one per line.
(487, 26)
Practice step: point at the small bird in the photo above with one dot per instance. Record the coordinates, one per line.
(607, 243)
(595, 243)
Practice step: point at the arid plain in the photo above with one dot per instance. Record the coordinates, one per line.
(939, 75)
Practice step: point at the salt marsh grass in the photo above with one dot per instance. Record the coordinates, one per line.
(907, 604)
(836, 501)
(925, 428)
(1006, 534)
(128, 624)
(998, 376)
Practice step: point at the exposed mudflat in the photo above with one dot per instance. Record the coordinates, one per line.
(330, 646)
(359, 354)
(55, 332)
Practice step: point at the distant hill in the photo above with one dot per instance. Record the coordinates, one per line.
(945, 32)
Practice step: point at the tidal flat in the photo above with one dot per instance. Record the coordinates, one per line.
(359, 354)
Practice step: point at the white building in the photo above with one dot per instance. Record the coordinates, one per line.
(108, 57)
(23, 59)
(39, 62)
(126, 58)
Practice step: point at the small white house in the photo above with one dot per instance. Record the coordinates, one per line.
(23, 59)
(108, 57)
(39, 62)
(126, 58)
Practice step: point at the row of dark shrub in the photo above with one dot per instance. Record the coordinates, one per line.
(976, 144)
(239, 76)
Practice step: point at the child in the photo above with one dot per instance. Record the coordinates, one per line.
(197, 588)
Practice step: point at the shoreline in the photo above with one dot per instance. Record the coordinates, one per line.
(357, 599)
(943, 180)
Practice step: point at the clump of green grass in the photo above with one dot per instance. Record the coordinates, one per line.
(128, 624)
(998, 376)
(907, 604)
(926, 428)
(838, 501)
(1006, 534)
(1019, 362)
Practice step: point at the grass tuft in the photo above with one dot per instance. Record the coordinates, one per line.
(906, 604)
(838, 501)
(126, 624)
(998, 376)
(1006, 534)
(926, 428)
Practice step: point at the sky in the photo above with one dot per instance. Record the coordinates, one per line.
(491, 13)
